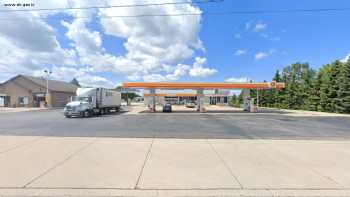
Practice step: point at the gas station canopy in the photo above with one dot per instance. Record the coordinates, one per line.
(205, 85)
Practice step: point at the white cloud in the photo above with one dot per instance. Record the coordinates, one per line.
(260, 27)
(154, 78)
(261, 55)
(155, 46)
(241, 52)
(240, 79)
(83, 75)
(255, 26)
(198, 70)
(270, 37)
(152, 42)
(27, 44)
(345, 58)
(180, 70)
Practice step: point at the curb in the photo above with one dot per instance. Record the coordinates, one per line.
(144, 192)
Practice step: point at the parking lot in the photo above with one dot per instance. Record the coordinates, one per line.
(177, 125)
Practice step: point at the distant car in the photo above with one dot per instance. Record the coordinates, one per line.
(167, 108)
(190, 105)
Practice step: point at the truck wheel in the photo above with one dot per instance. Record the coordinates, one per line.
(67, 116)
(86, 114)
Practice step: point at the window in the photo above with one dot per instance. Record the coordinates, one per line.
(23, 100)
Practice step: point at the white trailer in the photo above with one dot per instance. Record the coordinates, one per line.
(93, 101)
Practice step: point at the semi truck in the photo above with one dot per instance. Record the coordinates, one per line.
(93, 101)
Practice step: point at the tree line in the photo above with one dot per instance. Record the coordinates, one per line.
(326, 89)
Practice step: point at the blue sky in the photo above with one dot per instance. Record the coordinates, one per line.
(105, 52)
(317, 38)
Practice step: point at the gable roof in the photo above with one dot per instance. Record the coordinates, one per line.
(54, 85)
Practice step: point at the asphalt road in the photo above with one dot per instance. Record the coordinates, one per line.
(160, 125)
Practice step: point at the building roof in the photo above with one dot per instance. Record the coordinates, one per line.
(54, 85)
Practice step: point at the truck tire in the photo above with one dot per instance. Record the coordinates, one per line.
(86, 114)
(67, 116)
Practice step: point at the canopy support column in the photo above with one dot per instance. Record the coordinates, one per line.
(152, 105)
(200, 101)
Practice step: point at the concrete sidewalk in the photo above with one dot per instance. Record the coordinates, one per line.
(50, 166)
(20, 109)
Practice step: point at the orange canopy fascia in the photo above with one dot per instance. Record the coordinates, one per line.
(196, 85)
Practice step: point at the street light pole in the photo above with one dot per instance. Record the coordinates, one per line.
(257, 98)
(48, 73)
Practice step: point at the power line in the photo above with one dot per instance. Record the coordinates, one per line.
(114, 6)
(256, 12)
(235, 13)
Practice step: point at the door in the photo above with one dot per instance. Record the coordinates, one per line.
(213, 100)
(38, 98)
(2, 101)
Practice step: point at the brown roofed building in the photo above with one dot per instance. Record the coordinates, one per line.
(28, 91)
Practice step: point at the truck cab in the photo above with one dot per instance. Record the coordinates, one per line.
(92, 101)
(79, 106)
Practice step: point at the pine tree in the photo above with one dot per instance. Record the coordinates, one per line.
(334, 85)
(313, 101)
(75, 82)
(342, 100)
(276, 94)
(327, 90)
(325, 86)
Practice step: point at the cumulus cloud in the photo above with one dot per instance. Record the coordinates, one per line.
(83, 75)
(153, 42)
(260, 27)
(255, 26)
(180, 70)
(239, 79)
(198, 70)
(154, 78)
(155, 46)
(264, 54)
(261, 55)
(345, 59)
(29, 43)
(240, 52)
